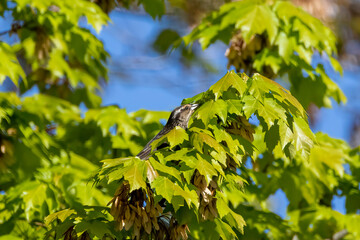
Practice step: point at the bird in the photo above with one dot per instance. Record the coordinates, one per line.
(180, 116)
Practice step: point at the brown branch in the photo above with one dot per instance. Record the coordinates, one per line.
(40, 224)
(5, 32)
(339, 235)
(14, 27)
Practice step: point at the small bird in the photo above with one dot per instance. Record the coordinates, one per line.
(180, 116)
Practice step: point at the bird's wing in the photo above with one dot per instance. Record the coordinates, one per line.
(144, 154)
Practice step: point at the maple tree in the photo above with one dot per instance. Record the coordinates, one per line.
(61, 166)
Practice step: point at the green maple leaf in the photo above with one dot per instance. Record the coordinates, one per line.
(258, 20)
(135, 174)
(286, 45)
(224, 229)
(61, 215)
(222, 135)
(251, 104)
(169, 189)
(231, 79)
(156, 8)
(210, 109)
(226, 212)
(176, 136)
(285, 134)
(268, 113)
(264, 85)
(98, 228)
(235, 106)
(200, 138)
(165, 169)
(205, 168)
(303, 137)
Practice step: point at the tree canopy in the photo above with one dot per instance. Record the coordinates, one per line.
(68, 166)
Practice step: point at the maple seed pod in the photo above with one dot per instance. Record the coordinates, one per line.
(71, 234)
(241, 127)
(127, 212)
(159, 208)
(135, 210)
(230, 163)
(129, 223)
(137, 221)
(155, 224)
(148, 227)
(199, 181)
(213, 184)
(177, 231)
(241, 54)
(136, 232)
(206, 193)
(212, 207)
(144, 217)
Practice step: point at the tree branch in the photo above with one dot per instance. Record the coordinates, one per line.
(339, 235)
(5, 32)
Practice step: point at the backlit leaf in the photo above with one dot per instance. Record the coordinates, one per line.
(231, 79)
(211, 109)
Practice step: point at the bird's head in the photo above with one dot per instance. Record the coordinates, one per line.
(180, 116)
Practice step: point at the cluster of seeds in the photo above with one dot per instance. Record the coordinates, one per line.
(241, 127)
(178, 231)
(241, 54)
(135, 209)
(71, 234)
(206, 193)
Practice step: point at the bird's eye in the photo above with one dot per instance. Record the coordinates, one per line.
(187, 108)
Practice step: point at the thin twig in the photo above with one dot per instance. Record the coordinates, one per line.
(339, 235)
(5, 32)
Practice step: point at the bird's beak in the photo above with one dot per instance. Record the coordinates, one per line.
(194, 106)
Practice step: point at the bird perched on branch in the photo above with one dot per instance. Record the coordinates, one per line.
(180, 116)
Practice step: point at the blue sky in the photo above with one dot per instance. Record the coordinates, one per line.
(145, 86)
